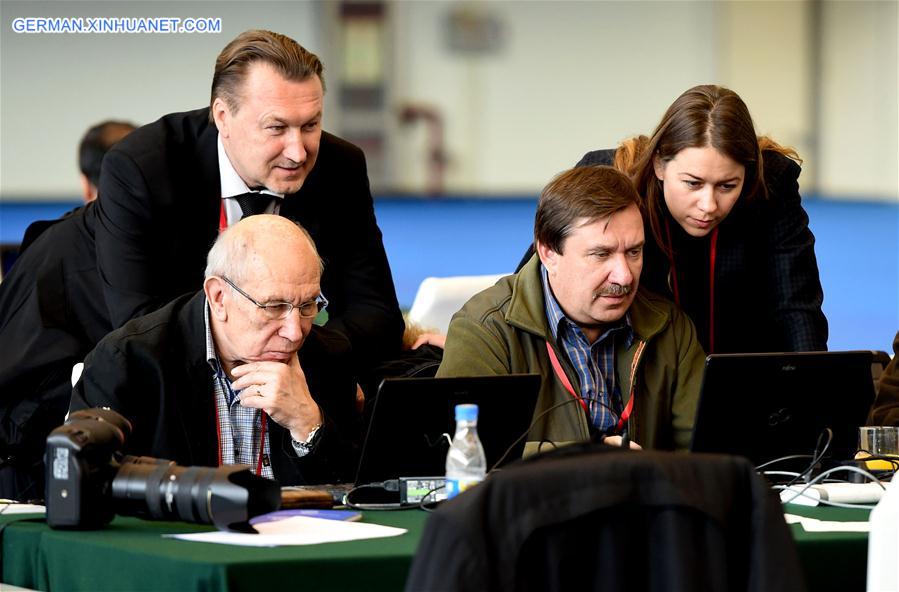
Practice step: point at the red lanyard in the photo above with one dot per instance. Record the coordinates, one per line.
(713, 251)
(563, 378)
(223, 218)
(262, 455)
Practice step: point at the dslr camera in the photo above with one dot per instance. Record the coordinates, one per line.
(89, 480)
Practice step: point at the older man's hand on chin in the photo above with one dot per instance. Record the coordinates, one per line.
(281, 391)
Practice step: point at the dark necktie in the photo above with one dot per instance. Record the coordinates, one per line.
(253, 203)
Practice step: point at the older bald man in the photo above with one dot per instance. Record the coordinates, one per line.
(237, 373)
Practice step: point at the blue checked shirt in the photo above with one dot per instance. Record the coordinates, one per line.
(594, 363)
(239, 426)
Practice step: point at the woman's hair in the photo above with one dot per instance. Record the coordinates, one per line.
(705, 115)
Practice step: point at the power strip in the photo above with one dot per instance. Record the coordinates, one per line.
(414, 489)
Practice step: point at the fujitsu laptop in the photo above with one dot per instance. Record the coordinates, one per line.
(769, 405)
(411, 415)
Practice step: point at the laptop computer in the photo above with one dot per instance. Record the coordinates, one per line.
(766, 406)
(406, 423)
(411, 415)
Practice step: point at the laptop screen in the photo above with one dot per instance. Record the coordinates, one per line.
(411, 415)
(767, 406)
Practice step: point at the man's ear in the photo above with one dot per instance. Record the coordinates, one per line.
(88, 191)
(548, 257)
(215, 289)
(221, 114)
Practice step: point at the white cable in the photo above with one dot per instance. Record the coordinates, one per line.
(819, 478)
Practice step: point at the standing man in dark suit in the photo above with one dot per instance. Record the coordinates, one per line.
(168, 190)
(236, 373)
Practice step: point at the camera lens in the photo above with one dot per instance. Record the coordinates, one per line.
(161, 490)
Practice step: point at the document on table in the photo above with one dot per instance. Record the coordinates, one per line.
(7, 508)
(296, 530)
(815, 525)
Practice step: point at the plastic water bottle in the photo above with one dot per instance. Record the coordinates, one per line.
(466, 464)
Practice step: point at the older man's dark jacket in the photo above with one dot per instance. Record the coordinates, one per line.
(154, 371)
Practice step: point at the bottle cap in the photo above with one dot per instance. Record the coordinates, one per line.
(468, 412)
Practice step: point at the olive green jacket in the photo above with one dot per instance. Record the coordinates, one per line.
(504, 330)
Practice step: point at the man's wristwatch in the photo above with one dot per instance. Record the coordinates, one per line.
(312, 439)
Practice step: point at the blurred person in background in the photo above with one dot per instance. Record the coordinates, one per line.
(885, 410)
(51, 314)
(93, 147)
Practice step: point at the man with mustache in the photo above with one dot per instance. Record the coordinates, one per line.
(618, 362)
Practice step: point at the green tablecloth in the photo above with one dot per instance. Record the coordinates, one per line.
(131, 555)
(832, 560)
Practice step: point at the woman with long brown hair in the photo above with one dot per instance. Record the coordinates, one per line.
(726, 235)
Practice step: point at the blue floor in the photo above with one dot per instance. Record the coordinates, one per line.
(857, 248)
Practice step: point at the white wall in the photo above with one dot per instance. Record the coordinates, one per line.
(766, 50)
(859, 147)
(568, 77)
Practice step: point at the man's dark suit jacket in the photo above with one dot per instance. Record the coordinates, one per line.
(52, 314)
(159, 207)
(153, 370)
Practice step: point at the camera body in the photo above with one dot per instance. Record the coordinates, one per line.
(89, 480)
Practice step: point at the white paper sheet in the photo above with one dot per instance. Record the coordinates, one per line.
(815, 525)
(297, 530)
(7, 509)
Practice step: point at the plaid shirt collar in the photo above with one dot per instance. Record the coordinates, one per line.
(238, 427)
(211, 356)
(594, 362)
